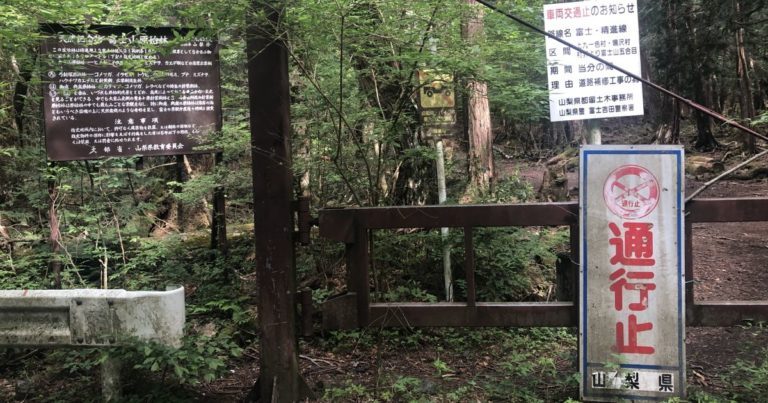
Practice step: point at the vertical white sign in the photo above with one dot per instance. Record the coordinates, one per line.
(581, 87)
(632, 321)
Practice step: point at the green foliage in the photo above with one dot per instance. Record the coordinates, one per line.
(200, 359)
(411, 291)
(228, 308)
(515, 264)
(348, 340)
(529, 365)
(749, 378)
(441, 367)
(81, 361)
(357, 136)
(405, 385)
(512, 189)
(518, 365)
(511, 263)
(349, 391)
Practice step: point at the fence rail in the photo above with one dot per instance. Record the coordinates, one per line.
(355, 309)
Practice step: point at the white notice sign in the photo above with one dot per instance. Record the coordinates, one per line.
(632, 316)
(579, 86)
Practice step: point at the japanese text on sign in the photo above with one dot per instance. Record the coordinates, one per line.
(631, 322)
(579, 86)
(115, 91)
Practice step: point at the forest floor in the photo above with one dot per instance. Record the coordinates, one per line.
(515, 365)
(532, 365)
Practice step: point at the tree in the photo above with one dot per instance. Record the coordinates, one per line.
(477, 115)
(744, 72)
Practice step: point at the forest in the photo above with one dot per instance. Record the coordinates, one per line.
(358, 139)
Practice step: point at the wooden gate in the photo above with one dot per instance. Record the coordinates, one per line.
(355, 309)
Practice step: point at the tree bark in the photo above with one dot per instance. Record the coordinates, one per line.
(20, 96)
(705, 139)
(478, 115)
(698, 75)
(746, 99)
(54, 264)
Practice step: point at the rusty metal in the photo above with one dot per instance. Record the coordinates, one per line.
(340, 312)
(338, 224)
(484, 314)
(727, 313)
(469, 266)
(727, 210)
(358, 260)
(689, 282)
(692, 104)
(575, 253)
(355, 310)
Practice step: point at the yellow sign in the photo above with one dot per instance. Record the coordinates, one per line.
(436, 90)
(438, 117)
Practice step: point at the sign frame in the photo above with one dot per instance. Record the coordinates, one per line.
(590, 304)
(193, 143)
(580, 87)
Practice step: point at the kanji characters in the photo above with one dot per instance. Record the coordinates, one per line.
(635, 246)
(620, 284)
(632, 346)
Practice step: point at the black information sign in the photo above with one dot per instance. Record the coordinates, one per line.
(114, 91)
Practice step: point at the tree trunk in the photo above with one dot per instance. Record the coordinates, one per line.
(705, 139)
(54, 264)
(478, 119)
(653, 99)
(746, 99)
(698, 74)
(20, 97)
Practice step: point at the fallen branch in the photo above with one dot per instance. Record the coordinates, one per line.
(723, 175)
(503, 154)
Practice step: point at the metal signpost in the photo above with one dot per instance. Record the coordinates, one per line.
(437, 100)
(579, 87)
(112, 91)
(632, 322)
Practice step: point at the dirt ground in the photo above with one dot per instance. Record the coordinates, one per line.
(729, 264)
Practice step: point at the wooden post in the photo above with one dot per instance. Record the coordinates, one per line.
(689, 276)
(272, 192)
(358, 265)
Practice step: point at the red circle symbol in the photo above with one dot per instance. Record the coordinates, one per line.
(631, 192)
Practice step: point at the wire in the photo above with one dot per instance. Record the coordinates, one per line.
(649, 83)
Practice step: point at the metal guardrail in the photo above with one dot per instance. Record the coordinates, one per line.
(90, 317)
(355, 309)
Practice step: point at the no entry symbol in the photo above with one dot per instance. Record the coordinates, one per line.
(631, 192)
